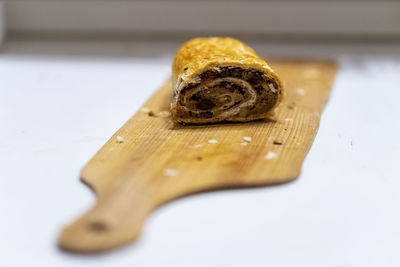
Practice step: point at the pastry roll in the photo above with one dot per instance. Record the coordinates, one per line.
(222, 79)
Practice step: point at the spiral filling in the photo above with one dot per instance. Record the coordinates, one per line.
(228, 92)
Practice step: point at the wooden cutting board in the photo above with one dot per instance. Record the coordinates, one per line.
(158, 161)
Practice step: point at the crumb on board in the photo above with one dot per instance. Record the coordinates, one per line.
(170, 172)
(145, 110)
(196, 146)
(288, 119)
(270, 155)
(161, 114)
(120, 139)
(247, 138)
(243, 144)
(278, 142)
(164, 114)
(212, 141)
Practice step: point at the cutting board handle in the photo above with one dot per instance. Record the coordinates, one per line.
(117, 217)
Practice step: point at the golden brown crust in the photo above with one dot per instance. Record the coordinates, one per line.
(211, 54)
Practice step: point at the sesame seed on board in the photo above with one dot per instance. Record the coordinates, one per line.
(300, 91)
(145, 110)
(247, 139)
(163, 114)
(196, 146)
(270, 155)
(120, 139)
(170, 172)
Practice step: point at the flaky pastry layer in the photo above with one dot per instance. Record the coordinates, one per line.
(222, 79)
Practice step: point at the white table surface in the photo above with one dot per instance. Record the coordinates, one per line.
(61, 101)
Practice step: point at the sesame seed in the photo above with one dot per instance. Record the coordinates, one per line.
(170, 172)
(164, 114)
(120, 139)
(196, 146)
(300, 91)
(247, 139)
(311, 73)
(288, 119)
(212, 141)
(244, 144)
(145, 110)
(270, 155)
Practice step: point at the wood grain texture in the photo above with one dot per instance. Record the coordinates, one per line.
(159, 161)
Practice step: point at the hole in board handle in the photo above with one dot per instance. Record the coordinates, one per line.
(98, 226)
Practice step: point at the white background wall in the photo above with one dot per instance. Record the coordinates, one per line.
(328, 19)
